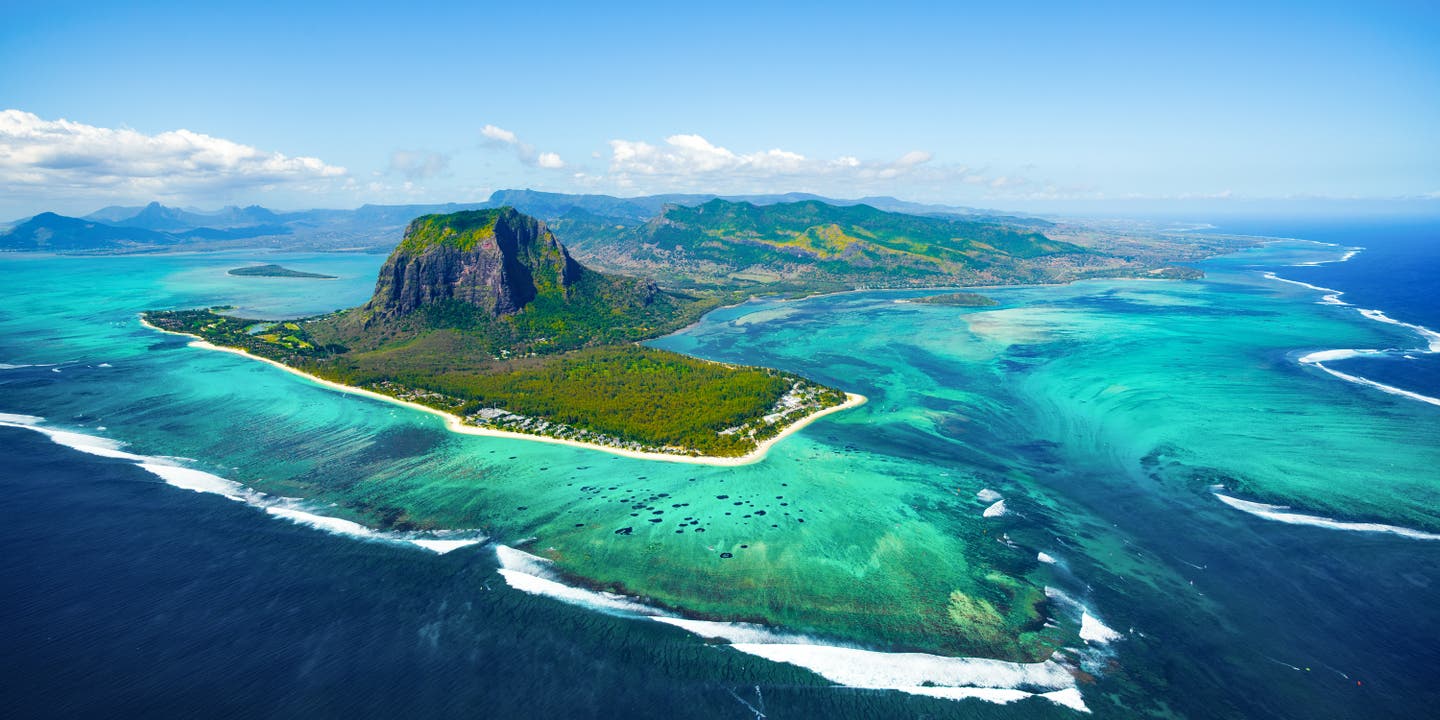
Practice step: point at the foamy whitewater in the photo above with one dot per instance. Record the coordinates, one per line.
(1317, 359)
(1282, 513)
(953, 678)
(1092, 630)
(177, 475)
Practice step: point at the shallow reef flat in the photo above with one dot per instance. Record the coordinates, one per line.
(990, 496)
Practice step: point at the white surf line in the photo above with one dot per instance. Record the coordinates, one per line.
(1331, 297)
(176, 475)
(455, 424)
(1314, 361)
(953, 678)
(1318, 358)
(1349, 253)
(1282, 513)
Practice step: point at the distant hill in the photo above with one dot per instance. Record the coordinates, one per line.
(168, 219)
(550, 206)
(48, 232)
(720, 242)
(156, 216)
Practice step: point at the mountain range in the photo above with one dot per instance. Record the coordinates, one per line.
(119, 228)
(793, 242)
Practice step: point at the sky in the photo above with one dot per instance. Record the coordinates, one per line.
(1050, 107)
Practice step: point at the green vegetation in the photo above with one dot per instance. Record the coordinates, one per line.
(814, 243)
(959, 299)
(618, 395)
(461, 231)
(276, 271)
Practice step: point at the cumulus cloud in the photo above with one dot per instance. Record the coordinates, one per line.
(498, 137)
(56, 158)
(418, 165)
(694, 155)
(693, 160)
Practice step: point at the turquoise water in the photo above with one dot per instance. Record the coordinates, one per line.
(1106, 414)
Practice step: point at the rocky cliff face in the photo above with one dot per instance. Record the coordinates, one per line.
(496, 260)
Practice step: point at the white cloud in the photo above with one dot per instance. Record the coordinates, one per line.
(691, 160)
(685, 155)
(418, 165)
(61, 158)
(913, 158)
(498, 137)
(499, 134)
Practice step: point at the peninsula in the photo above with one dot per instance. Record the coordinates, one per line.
(484, 316)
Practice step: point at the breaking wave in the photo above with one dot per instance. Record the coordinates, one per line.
(1283, 513)
(177, 475)
(1317, 359)
(936, 676)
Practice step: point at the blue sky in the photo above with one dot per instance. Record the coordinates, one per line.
(1050, 107)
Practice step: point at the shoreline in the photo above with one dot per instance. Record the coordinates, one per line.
(453, 423)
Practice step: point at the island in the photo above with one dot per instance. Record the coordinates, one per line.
(276, 271)
(485, 317)
(959, 299)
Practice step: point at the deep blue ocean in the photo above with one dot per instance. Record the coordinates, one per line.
(1397, 272)
(123, 597)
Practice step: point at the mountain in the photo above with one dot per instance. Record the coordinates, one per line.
(48, 232)
(495, 260)
(168, 219)
(812, 241)
(504, 281)
(111, 213)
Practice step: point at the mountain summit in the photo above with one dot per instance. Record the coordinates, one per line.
(495, 260)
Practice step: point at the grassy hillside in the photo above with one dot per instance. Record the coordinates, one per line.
(814, 243)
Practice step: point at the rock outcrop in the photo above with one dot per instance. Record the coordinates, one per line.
(495, 260)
